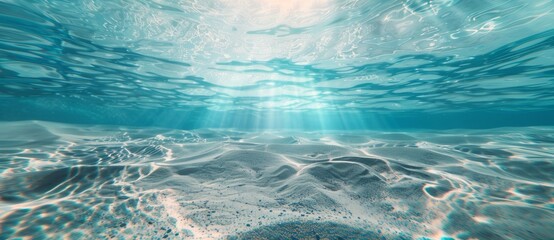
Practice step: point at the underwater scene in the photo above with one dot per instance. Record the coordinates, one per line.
(277, 119)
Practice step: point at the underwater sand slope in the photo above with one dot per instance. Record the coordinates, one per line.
(77, 181)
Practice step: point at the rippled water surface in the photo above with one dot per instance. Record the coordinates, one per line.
(276, 119)
(378, 55)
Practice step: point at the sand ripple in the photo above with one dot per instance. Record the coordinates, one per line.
(76, 181)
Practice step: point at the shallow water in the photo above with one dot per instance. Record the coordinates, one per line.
(61, 180)
(276, 119)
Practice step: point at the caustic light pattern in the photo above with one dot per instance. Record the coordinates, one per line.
(75, 181)
(276, 119)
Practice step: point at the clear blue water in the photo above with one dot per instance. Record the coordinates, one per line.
(269, 119)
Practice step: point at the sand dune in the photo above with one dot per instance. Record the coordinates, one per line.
(74, 181)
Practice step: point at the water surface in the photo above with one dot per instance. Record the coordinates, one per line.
(327, 119)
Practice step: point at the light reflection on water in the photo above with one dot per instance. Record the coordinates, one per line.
(340, 55)
(329, 119)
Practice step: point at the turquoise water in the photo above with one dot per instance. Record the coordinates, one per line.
(163, 119)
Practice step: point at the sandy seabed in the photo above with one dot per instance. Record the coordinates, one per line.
(84, 181)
